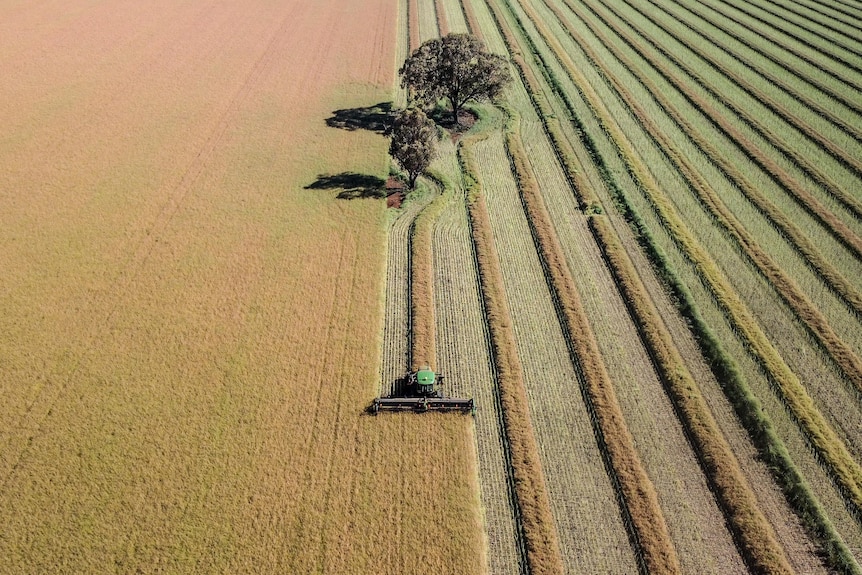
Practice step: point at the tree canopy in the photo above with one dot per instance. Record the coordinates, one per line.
(414, 142)
(456, 67)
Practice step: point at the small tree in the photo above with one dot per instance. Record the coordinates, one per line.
(414, 142)
(456, 67)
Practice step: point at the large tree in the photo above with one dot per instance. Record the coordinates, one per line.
(456, 67)
(414, 142)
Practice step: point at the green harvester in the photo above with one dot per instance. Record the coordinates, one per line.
(422, 393)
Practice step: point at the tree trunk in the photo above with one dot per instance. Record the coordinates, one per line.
(413, 177)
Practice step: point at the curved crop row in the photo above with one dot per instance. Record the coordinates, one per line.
(816, 323)
(806, 39)
(807, 201)
(543, 553)
(806, 56)
(756, 421)
(798, 9)
(638, 492)
(820, 434)
(800, 160)
(834, 36)
(421, 282)
(839, 284)
(770, 31)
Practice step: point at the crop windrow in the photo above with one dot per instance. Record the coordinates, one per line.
(813, 319)
(534, 509)
(748, 408)
(843, 59)
(821, 436)
(753, 532)
(638, 493)
(836, 281)
(649, 529)
(751, 529)
(800, 160)
(783, 46)
(834, 37)
(846, 159)
(442, 23)
(815, 82)
(421, 279)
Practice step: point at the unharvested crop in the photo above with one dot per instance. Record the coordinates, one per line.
(190, 332)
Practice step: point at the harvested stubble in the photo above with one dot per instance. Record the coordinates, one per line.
(455, 17)
(464, 356)
(413, 32)
(427, 21)
(421, 281)
(782, 143)
(638, 491)
(821, 435)
(396, 328)
(814, 320)
(753, 532)
(542, 546)
(843, 288)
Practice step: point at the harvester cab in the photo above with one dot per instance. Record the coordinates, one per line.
(422, 393)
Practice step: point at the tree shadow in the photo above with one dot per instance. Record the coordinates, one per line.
(376, 118)
(353, 186)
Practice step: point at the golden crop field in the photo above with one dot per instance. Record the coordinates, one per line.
(188, 335)
(643, 261)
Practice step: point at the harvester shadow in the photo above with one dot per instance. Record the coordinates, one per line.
(353, 186)
(376, 118)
